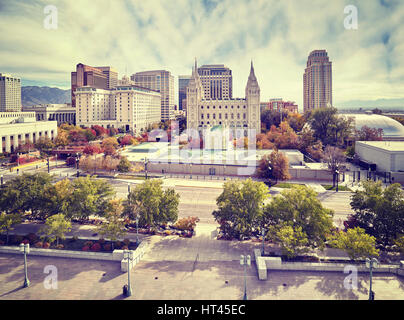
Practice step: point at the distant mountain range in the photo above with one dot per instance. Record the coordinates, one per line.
(383, 104)
(31, 95)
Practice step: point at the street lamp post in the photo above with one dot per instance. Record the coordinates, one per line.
(263, 240)
(128, 188)
(128, 254)
(371, 263)
(77, 164)
(145, 167)
(2, 180)
(244, 261)
(48, 164)
(190, 169)
(137, 230)
(337, 178)
(24, 248)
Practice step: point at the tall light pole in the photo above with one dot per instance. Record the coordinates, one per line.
(145, 167)
(2, 180)
(190, 169)
(77, 165)
(337, 178)
(244, 261)
(137, 231)
(263, 241)
(128, 254)
(24, 248)
(371, 263)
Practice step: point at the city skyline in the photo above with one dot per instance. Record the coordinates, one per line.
(278, 37)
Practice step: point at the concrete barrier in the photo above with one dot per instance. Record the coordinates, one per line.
(275, 263)
(116, 255)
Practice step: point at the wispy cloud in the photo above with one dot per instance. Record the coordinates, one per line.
(139, 35)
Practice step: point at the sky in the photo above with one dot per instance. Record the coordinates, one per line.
(139, 35)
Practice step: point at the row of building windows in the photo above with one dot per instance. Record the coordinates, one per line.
(225, 116)
(220, 107)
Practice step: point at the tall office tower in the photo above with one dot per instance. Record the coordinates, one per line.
(217, 81)
(163, 82)
(317, 81)
(112, 76)
(182, 91)
(97, 77)
(10, 93)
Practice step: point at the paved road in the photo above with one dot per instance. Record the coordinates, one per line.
(198, 198)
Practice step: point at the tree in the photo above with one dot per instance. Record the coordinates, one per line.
(56, 226)
(240, 207)
(114, 227)
(335, 160)
(369, 134)
(25, 193)
(7, 222)
(299, 207)
(293, 240)
(356, 243)
(380, 211)
(124, 165)
(62, 139)
(329, 127)
(91, 149)
(280, 165)
(44, 144)
(155, 205)
(89, 197)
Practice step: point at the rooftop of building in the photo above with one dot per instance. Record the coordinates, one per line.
(385, 145)
(391, 128)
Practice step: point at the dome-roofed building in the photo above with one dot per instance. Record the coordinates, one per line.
(392, 129)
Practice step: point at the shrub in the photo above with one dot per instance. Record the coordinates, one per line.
(17, 239)
(88, 244)
(96, 247)
(126, 242)
(25, 241)
(118, 244)
(85, 248)
(38, 244)
(107, 247)
(46, 245)
(32, 237)
(101, 241)
(186, 223)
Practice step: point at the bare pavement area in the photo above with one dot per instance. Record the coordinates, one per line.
(199, 268)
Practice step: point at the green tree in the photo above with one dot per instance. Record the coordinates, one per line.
(114, 226)
(299, 207)
(380, 211)
(356, 243)
(88, 197)
(329, 127)
(44, 144)
(25, 193)
(240, 207)
(7, 222)
(153, 204)
(56, 226)
(124, 165)
(293, 240)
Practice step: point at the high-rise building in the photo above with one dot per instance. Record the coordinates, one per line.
(234, 114)
(317, 81)
(182, 91)
(129, 108)
(112, 76)
(217, 81)
(10, 93)
(96, 77)
(163, 82)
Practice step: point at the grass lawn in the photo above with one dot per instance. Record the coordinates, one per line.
(126, 176)
(340, 188)
(287, 185)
